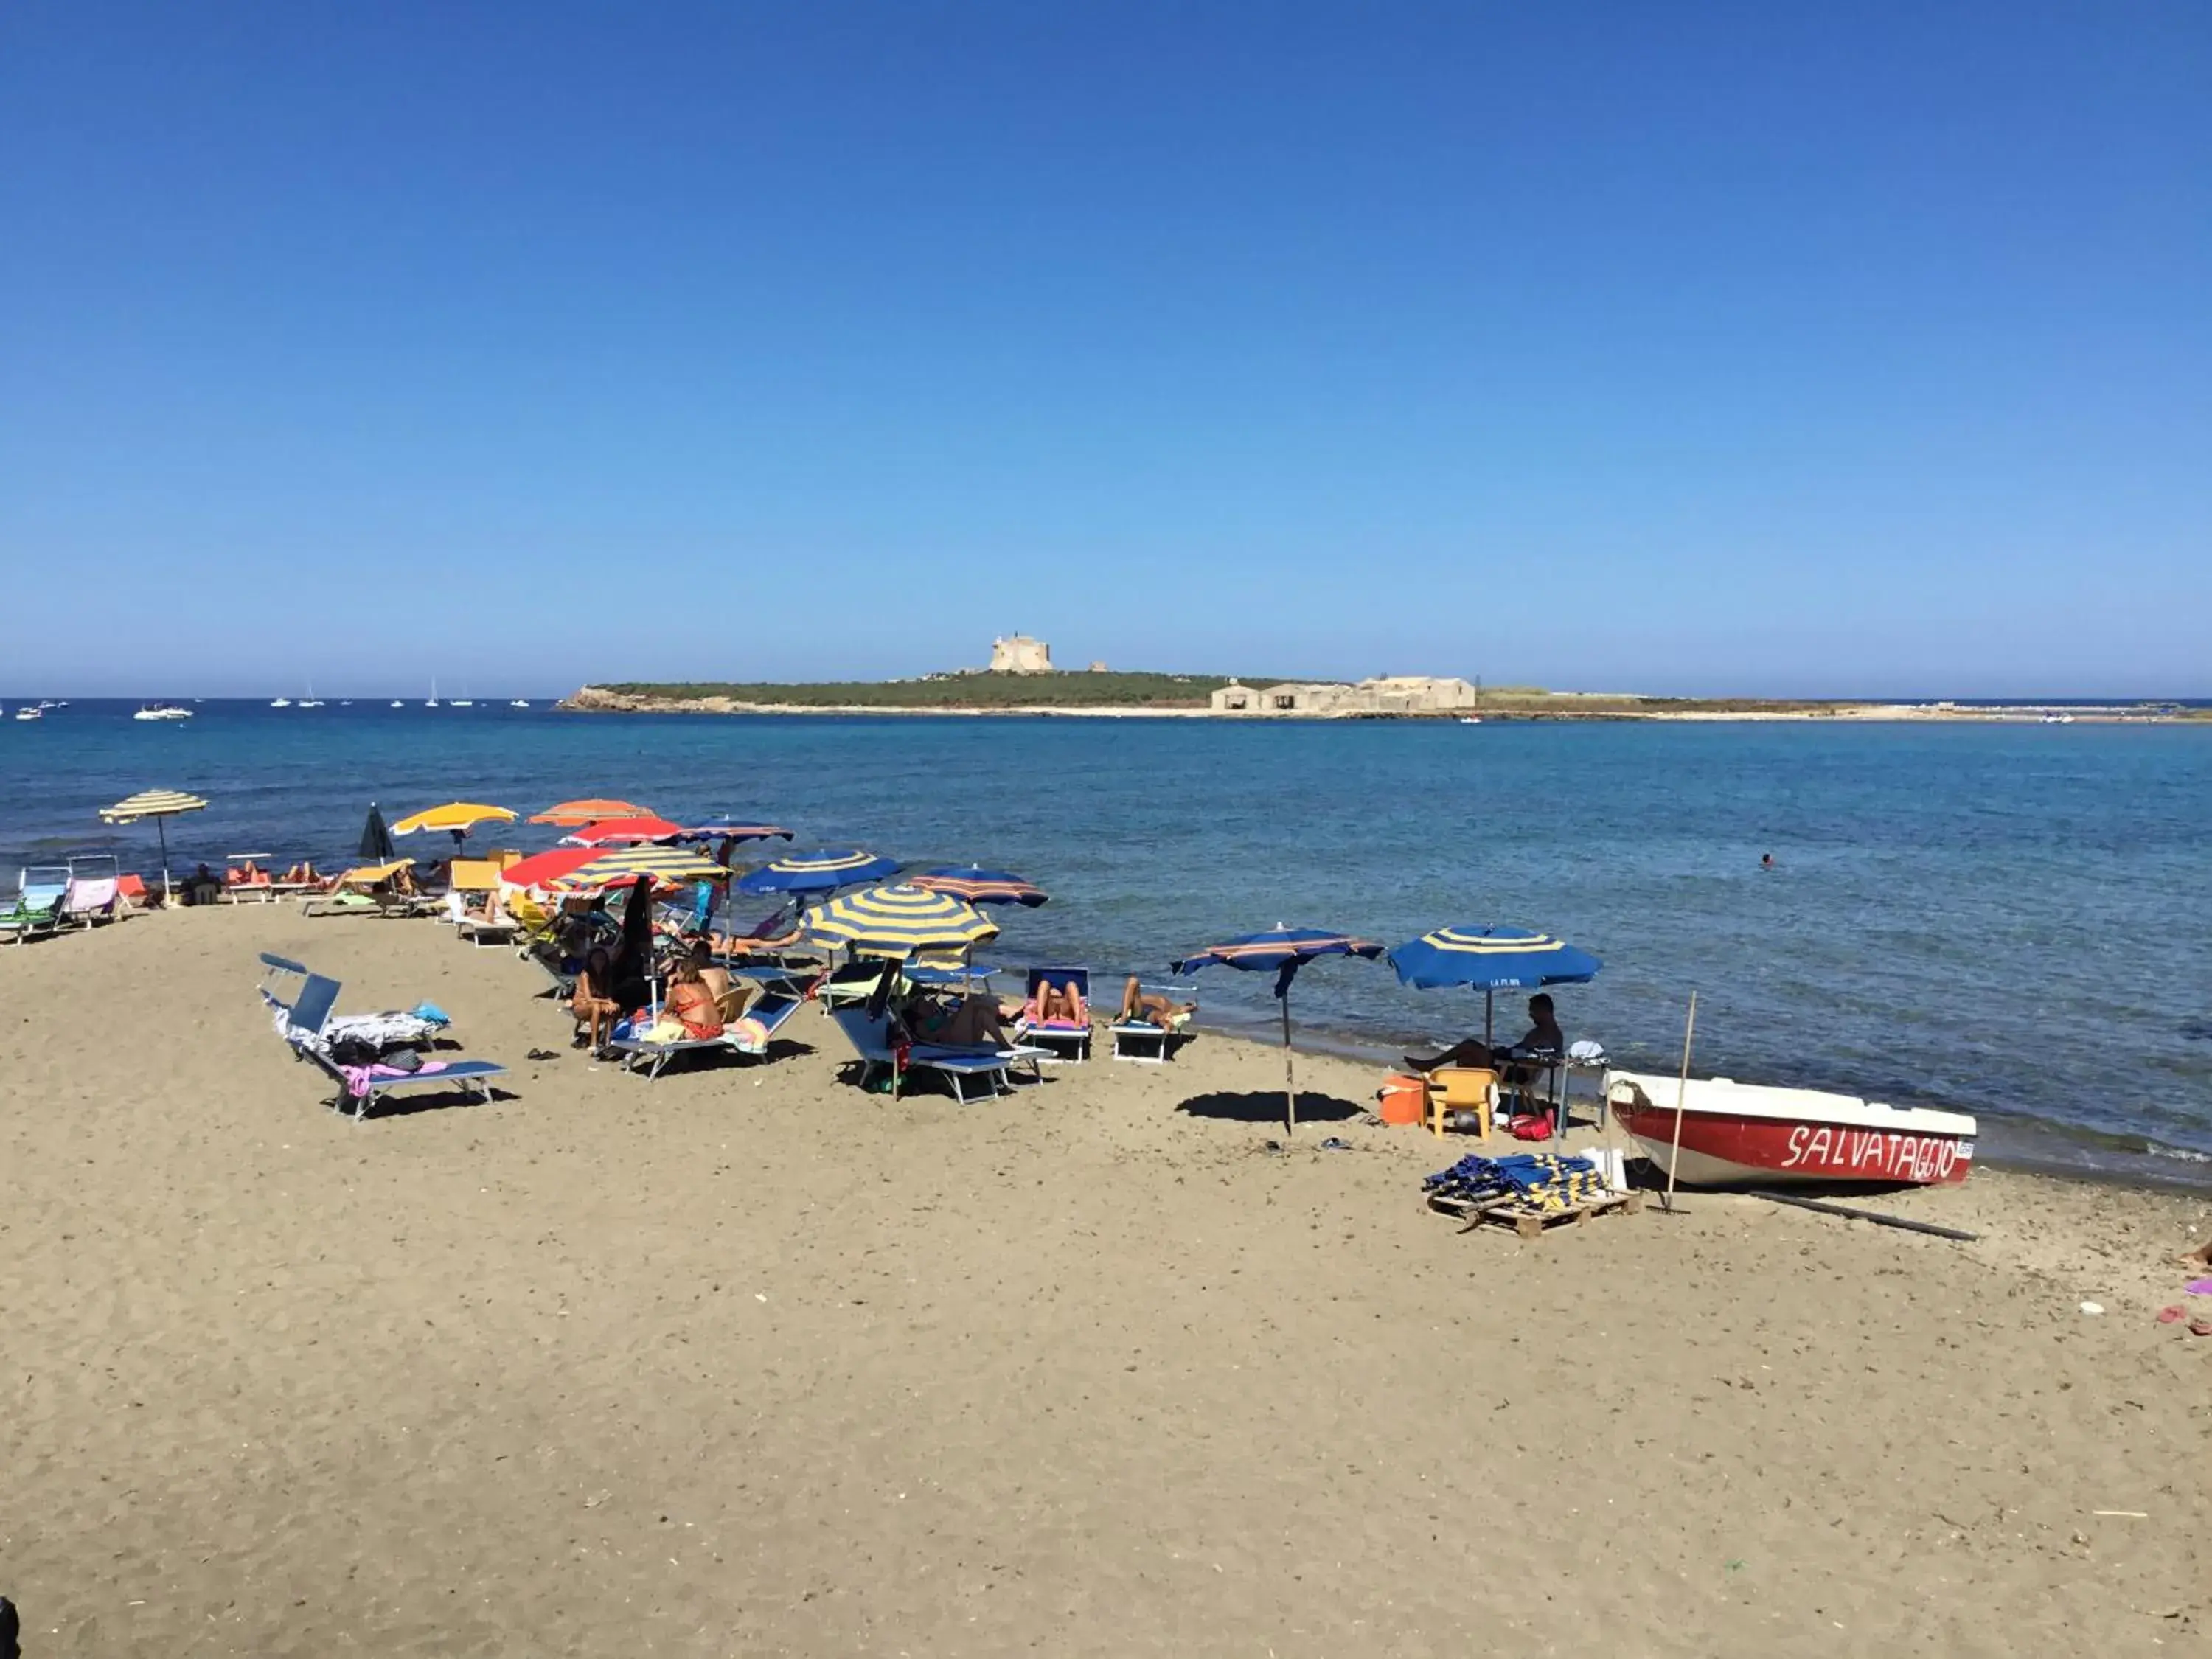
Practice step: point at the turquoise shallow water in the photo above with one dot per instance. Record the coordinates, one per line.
(2008, 920)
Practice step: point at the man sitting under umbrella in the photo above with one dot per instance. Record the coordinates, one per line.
(1544, 1038)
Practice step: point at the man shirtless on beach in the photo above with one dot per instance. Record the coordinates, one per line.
(1544, 1036)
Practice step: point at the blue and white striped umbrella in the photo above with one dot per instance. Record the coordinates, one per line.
(825, 872)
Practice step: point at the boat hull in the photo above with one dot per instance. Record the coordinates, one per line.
(1723, 1149)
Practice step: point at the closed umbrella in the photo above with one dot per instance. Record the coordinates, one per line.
(730, 829)
(375, 839)
(898, 920)
(1282, 952)
(160, 805)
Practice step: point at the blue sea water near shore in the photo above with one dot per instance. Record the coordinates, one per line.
(2008, 920)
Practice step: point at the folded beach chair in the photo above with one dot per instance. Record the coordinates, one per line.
(1143, 1042)
(38, 906)
(748, 1036)
(1067, 1041)
(304, 1025)
(880, 1042)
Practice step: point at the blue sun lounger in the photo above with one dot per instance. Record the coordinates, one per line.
(363, 1085)
(773, 1009)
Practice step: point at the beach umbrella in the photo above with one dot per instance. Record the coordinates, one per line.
(544, 869)
(730, 829)
(1491, 960)
(457, 817)
(375, 839)
(591, 811)
(825, 872)
(624, 832)
(160, 805)
(668, 865)
(1281, 952)
(897, 921)
(981, 886)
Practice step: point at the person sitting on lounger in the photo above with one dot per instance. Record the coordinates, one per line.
(1143, 1007)
(593, 1001)
(691, 1004)
(1058, 1004)
(248, 874)
(1544, 1036)
(958, 1022)
(730, 998)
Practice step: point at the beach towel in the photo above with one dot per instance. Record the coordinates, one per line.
(360, 1079)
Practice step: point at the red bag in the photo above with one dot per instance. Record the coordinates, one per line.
(1530, 1126)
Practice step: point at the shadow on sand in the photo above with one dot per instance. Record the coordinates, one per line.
(1266, 1106)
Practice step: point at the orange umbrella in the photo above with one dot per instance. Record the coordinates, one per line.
(573, 812)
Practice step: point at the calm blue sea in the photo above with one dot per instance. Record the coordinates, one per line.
(2010, 919)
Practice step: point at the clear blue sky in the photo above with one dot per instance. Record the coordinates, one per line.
(1730, 346)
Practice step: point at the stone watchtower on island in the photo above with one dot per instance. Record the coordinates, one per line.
(1018, 653)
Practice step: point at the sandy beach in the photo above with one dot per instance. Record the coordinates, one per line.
(746, 1361)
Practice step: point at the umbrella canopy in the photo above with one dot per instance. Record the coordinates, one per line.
(152, 804)
(669, 865)
(898, 919)
(1281, 952)
(459, 816)
(981, 886)
(1491, 960)
(375, 839)
(160, 805)
(544, 869)
(816, 873)
(729, 828)
(591, 811)
(624, 832)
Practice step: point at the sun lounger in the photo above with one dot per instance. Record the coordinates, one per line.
(748, 1036)
(988, 1070)
(1145, 1043)
(305, 1027)
(38, 906)
(1068, 1043)
(96, 890)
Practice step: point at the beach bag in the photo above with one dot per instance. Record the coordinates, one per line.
(1530, 1126)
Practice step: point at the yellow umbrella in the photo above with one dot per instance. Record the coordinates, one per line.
(459, 816)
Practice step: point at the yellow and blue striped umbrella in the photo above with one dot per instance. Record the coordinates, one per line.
(898, 919)
(668, 865)
(816, 873)
(1491, 960)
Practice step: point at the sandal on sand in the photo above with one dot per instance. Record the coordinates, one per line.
(2200, 1327)
(2167, 1315)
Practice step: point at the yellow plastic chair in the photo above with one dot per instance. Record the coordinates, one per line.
(1462, 1089)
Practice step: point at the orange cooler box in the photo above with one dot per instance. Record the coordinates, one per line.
(1404, 1099)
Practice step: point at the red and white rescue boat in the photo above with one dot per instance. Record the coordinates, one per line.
(1743, 1134)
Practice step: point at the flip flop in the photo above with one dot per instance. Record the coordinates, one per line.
(2199, 1287)
(2167, 1315)
(2200, 1327)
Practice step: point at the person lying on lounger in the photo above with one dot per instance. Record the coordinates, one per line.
(248, 874)
(1143, 1007)
(1058, 1004)
(746, 944)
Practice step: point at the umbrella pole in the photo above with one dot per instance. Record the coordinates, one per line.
(1489, 1009)
(1289, 1073)
(168, 891)
(1681, 1093)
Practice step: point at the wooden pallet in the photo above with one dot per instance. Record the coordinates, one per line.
(1529, 1220)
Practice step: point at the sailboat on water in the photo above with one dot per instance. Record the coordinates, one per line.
(431, 701)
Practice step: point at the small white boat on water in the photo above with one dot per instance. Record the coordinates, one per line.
(280, 703)
(396, 703)
(27, 712)
(162, 711)
(519, 702)
(1746, 1134)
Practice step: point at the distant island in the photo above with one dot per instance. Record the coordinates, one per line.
(1021, 679)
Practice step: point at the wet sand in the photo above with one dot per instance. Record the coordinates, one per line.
(745, 1361)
